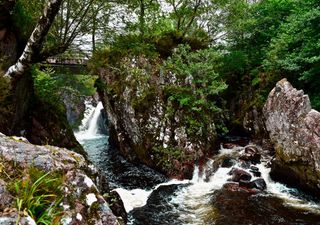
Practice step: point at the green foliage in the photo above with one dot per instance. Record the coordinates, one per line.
(46, 87)
(50, 87)
(39, 195)
(266, 41)
(164, 157)
(25, 15)
(197, 87)
(295, 50)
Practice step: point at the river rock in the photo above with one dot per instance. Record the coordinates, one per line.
(159, 208)
(259, 184)
(294, 129)
(228, 162)
(242, 208)
(83, 200)
(244, 186)
(251, 153)
(239, 174)
(117, 205)
(255, 171)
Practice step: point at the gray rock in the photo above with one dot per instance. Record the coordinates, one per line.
(12, 220)
(82, 197)
(294, 129)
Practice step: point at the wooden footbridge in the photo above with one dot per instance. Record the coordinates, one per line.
(73, 61)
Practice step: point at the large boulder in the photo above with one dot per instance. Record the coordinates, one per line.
(147, 124)
(82, 189)
(294, 129)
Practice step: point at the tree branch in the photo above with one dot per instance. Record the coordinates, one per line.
(35, 42)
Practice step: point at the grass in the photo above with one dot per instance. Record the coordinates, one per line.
(38, 195)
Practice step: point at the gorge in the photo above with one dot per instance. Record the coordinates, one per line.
(209, 197)
(159, 112)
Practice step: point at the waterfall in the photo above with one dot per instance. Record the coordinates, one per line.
(89, 128)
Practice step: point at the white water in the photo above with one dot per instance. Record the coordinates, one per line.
(89, 128)
(194, 200)
(138, 197)
(284, 192)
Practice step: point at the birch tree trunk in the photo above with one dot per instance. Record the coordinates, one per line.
(35, 42)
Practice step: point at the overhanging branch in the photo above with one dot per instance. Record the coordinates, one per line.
(35, 42)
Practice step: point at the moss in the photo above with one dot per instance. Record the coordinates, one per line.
(164, 157)
(142, 104)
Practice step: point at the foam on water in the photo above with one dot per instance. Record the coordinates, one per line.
(138, 197)
(286, 193)
(133, 198)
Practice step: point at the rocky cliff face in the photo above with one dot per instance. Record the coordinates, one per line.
(147, 125)
(82, 188)
(294, 129)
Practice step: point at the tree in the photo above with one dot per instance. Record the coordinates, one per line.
(36, 40)
(294, 51)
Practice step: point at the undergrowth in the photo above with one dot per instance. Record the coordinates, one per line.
(37, 194)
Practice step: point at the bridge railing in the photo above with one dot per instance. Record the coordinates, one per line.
(79, 57)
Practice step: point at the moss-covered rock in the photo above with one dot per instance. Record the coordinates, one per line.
(155, 117)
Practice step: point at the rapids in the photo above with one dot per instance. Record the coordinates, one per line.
(149, 198)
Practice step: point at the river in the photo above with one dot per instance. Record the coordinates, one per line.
(151, 199)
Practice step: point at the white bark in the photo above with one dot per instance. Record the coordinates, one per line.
(36, 39)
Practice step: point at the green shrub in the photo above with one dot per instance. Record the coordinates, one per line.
(197, 89)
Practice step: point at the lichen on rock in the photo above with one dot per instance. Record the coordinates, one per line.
(294, 129)
(79, 180)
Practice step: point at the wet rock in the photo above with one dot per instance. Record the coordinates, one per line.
(294, 129)
(255, 171)
(82, 200)
(239, 174)
(75, 108)
(159, 209)
(236, 187)
(245, 164)
(246, 184)
(229, 145)
(231, 186)
(228, 162)
(251, 153)
(259, 184)
(212, 167)
(116, 205)
(247, 208)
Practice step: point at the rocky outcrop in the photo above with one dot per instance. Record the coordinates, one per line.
(294, 129)
(148, 124)
(82, 188)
